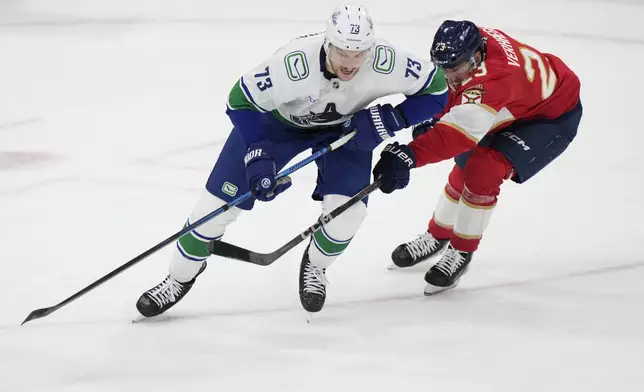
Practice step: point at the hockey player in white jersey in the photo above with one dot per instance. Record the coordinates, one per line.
(309, 93)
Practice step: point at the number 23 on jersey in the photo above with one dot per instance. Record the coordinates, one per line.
(546, 74)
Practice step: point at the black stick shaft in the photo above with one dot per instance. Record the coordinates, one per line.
(39, 313)
(231, 251)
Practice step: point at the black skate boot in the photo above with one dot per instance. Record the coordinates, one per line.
(420, 249)
(446, 274)
(312, 285)
(164, 295)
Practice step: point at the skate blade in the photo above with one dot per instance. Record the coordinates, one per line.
(140, 319)
(393, 267)
(433, 290)
(309, 317)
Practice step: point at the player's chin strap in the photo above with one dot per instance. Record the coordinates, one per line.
(39, 313)
(224, 249)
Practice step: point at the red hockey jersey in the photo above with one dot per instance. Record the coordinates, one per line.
(514, 82)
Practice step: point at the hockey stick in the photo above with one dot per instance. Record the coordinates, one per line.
(40, 313)
(231, 251)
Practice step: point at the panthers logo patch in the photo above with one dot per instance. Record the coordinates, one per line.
(473, 94)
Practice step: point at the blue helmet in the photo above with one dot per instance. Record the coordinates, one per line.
(455, 42)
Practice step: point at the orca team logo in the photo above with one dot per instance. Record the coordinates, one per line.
(473, 95)
(330, 114)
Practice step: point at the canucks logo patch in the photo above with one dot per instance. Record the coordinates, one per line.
(229, 189)
(297, 68)
(384, 60)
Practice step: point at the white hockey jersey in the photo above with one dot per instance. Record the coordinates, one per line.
(295, 87)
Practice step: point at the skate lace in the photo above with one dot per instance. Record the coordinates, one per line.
(450, 262)
(166, 291)
(315, 279)
(421, 246)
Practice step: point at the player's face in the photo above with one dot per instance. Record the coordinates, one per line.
(346, 63)
(457, 75)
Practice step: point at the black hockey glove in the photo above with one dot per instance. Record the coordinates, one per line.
(396, 160)
(423, 127)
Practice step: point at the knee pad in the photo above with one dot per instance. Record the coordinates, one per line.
(333, 238)
(192, 248)
(486, 170)
(214, 228)
(455, 182)
(440, 226)
(346, 224)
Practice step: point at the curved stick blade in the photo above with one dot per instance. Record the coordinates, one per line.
(39, 313)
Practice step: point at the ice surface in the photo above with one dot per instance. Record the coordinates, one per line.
(111, 116)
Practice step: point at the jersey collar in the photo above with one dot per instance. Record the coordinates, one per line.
(325, 71)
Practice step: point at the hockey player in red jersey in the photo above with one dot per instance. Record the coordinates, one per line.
(511, 111)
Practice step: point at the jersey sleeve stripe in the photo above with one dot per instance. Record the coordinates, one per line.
(503, 117)
(438, 88)
(249, 96)
(502, 123)
(461, 130)
(430, 77)
(488, 108)
(434, 85)
(443, 91)
(237, 99)
(474, 120)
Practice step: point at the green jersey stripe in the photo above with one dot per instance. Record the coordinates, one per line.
(436, 84)
(237, 99)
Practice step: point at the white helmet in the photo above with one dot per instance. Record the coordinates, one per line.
(350, 28)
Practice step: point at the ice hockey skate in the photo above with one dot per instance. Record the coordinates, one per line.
(447, 272)
(312, 286)
(165, 295)
(418, 250)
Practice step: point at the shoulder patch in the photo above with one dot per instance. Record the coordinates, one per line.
(384, 59)
(473, 94)
(297, 68)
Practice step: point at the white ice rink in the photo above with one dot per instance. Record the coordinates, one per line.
(111, 116)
